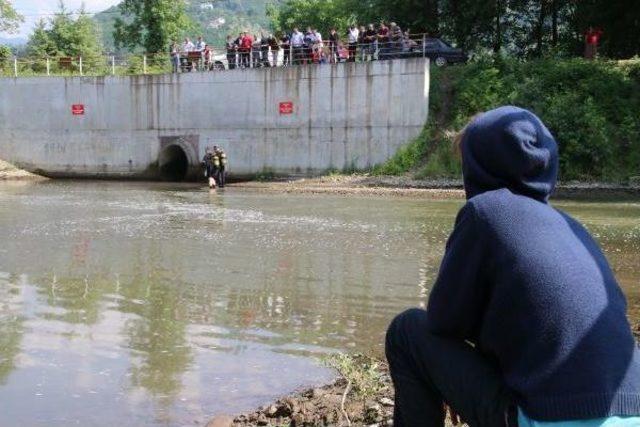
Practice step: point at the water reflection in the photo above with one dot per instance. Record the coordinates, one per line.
(150, 304)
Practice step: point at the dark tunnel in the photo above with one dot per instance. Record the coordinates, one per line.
(173, 164)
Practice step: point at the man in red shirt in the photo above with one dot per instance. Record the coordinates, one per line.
(591, 39)
(246, 42)
(383, 41)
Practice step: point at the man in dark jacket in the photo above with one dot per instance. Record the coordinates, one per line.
(526, 320)
(211, 165)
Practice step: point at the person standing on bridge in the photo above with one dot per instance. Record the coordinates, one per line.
(526, 324)
(352, 38)
(175, 56)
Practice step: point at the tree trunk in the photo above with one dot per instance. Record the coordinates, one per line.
(497, 42)
(540, 32)
(434, 11)
(554, 23)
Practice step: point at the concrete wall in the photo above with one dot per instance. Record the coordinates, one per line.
(348, 115)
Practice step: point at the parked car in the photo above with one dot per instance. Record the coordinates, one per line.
(440, 52)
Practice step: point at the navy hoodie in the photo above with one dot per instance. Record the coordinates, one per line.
(527, 283)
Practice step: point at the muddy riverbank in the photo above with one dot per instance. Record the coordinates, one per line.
(362, 394)
(402, 186)
(9, 172)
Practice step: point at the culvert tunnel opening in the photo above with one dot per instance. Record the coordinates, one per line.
(173, 164)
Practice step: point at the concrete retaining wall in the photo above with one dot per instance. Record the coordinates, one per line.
(347, 115)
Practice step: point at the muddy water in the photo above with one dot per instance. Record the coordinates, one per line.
(155, 304)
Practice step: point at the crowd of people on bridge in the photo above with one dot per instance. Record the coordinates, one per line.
(357, 43)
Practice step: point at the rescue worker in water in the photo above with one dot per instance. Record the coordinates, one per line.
(210, 169)
(220, 160)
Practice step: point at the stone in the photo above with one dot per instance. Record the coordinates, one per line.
(317, 393)
(220, 421)
(385, 401)
(297, 420)
(272, 410)
(262, 420)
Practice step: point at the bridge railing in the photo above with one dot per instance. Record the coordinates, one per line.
(219, 59)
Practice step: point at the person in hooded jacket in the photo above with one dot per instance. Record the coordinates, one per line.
(526, 323)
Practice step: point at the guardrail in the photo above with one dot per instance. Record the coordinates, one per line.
(219, 58)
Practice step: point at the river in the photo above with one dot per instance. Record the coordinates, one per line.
(154, 304)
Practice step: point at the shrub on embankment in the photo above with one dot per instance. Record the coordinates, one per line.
(592, 108)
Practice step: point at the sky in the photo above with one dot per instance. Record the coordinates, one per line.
(35, 9)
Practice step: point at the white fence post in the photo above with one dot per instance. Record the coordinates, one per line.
(113, 65)
(15, 66)
(48, 67)
(251, 57)
(80, 62)
(144, 64)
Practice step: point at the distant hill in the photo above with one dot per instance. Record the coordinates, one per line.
(215, 19)
(13, 41)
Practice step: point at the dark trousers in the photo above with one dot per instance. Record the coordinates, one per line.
(353, 48)
(244, 59)
(286, 59)
(212, 171)
(265, 57)
(428, 370)
(298, 55)
(221, 176)
(231, 59)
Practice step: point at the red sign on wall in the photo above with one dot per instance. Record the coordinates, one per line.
(286, 107)
(77, 109)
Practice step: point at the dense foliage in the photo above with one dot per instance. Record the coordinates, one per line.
(518, 27)
(213, 20)
(9, 18)
(152, 24)
(590, 107)
(62, 35)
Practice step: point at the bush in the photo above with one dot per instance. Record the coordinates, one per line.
(591, 107)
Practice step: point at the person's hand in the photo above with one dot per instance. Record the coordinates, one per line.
(455, 418)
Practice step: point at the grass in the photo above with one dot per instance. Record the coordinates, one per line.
(363, 373)
(590, 106)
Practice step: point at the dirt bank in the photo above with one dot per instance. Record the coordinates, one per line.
(359, 185)
(403, 186)
(361, 395)
(10, 172)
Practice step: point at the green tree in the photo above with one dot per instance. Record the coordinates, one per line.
(9, 18)
(64, 36)
(40, 44)
(321, 14)
(151, 24)
(619, 20)
(5, 54)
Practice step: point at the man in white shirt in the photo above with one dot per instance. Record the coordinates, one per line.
(352, 38)
(297, 43)
(187, 46)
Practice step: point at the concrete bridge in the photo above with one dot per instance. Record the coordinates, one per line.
(287, 121)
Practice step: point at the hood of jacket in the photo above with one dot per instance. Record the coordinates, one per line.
(509, 147)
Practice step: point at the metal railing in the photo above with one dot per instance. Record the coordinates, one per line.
(219, 58)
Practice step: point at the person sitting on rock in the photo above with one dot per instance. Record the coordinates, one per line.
(525, 325)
